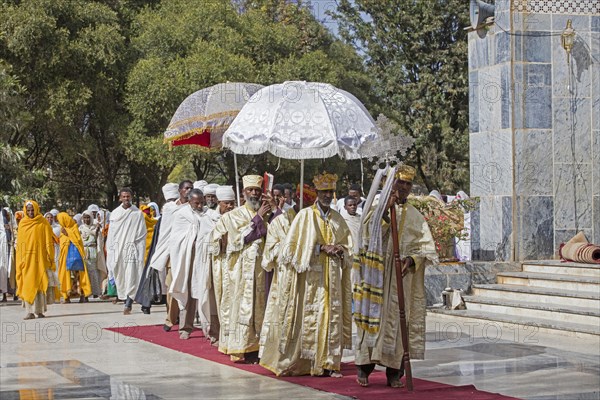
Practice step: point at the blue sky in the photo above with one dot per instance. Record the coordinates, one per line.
(320, 8)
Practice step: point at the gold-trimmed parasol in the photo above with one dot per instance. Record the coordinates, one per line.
(202, 118)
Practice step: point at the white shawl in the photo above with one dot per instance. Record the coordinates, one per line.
(160, 258)
(125, 248)
(4, 259)
(188, 243)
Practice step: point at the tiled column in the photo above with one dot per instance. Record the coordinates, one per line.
(534, 131)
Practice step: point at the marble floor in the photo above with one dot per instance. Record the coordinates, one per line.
(69, 355)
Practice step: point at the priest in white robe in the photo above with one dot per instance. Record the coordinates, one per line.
(176, 197)
(149, 288)
(126, 248)
(190, 265)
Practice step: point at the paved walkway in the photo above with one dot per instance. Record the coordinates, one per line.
(69, 355)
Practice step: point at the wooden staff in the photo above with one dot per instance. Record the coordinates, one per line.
(399, 284)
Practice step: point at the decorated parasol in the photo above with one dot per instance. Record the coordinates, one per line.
(204, 115)
(301, 120)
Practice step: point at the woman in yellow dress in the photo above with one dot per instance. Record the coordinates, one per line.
(34, 255)
(70, 234)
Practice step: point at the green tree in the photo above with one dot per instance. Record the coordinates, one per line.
(416, 52)
(185, 46)
(87, 88)
(14, 118)
(70, 56)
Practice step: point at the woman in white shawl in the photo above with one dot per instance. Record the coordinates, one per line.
(4, 255)
(53, 291)
(156, 209)
(89, 234)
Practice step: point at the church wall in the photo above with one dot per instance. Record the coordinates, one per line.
(534, 129)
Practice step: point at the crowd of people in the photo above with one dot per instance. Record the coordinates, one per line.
(267, 281)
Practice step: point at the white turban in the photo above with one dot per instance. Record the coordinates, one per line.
(225, 193)
(210, 189)
(200, 185)
(170, 191)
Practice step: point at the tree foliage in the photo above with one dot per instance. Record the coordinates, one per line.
(184, 46)
(13, 119)
(87, 87)
(417, 53)
(70, 57)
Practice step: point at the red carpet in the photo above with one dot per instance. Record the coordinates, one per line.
(346, 386)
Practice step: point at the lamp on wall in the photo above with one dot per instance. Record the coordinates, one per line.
(567, 38)
(481, 13)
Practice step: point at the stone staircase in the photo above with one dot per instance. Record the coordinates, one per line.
(549, 296)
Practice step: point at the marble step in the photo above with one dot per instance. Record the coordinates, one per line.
(562, 268)
(567, 298)
(524, 329)
(558, 312)
(550, 281)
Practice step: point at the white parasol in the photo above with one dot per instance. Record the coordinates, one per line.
(301, 120)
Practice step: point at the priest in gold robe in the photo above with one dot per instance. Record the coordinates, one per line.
(239, 236)
(376, 309)
(279, 225)
(315, 324)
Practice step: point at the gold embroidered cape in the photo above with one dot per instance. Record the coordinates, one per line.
(314, 322)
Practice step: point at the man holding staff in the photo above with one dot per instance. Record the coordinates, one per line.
(377, 310)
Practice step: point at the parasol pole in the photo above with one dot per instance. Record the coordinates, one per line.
(362, 177)
(401, 305)
(301, 183)
(237, 179)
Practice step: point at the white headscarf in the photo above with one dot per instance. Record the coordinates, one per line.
(156, 209)
(88, 230)
(77, 218)
(88, 212)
